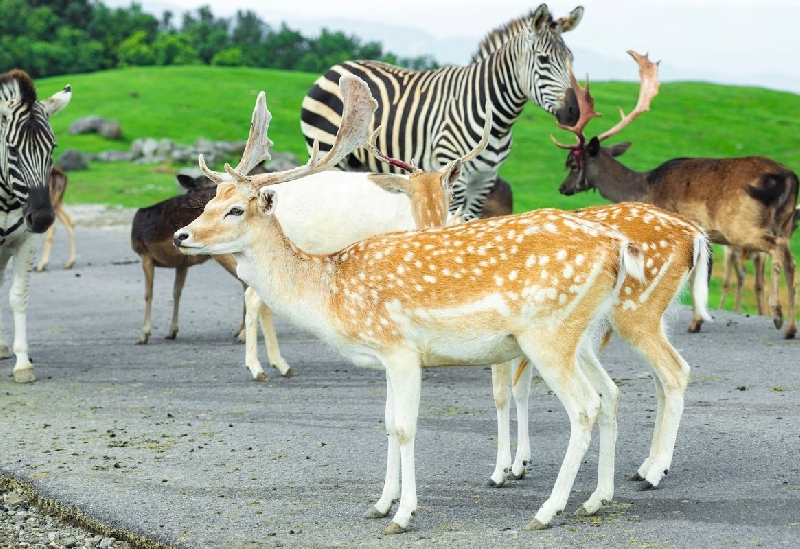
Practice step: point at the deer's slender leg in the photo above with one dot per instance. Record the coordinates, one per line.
(177, 289)
(148, 267)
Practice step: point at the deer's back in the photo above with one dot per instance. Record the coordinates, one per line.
(755, 191)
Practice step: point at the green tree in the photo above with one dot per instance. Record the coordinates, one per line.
(136, 51)
(207, 34)
(230, 57)
(174, 49)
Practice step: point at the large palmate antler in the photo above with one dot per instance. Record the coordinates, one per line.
(410, 167)
(359, 107)
(648, 74)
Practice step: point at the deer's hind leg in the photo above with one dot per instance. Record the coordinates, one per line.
(671, 377)
(554, 353)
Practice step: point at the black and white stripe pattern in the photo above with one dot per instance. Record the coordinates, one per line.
(432, 117)
(26, 152)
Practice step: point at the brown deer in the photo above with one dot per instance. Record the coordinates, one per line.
(747, 202)
(58, 186)
(734, 262)
(487, 291)
(151, 237)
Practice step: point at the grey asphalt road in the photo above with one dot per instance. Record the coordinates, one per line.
(175, 443)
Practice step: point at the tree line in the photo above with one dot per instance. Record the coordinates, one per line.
(54, 37)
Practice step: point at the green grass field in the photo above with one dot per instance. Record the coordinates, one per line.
(186, 103)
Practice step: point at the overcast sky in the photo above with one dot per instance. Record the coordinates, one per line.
(740, 39)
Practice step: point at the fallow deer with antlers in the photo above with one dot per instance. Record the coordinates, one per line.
(747, 202)
(419, 201)
(539, 284)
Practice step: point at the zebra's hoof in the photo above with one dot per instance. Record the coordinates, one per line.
(289, 373)
(262, 377)
(24, 375)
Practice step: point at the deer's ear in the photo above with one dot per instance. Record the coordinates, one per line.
(267, 198)
(593, 147)
(390, 182)
(619, 148)
(451, 174)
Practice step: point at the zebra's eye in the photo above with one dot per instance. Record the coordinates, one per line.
(236, 210)
(543, 59)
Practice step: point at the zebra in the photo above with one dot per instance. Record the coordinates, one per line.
(26, 160)
(432, 117)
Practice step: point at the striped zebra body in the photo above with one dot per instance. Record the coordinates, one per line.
(432, 117)
(26, 150)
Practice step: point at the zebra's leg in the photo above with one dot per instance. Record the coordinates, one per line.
(5, 352)
(23, 260)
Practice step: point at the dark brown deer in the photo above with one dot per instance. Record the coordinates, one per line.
(151, 237)
(747, 202)
(58, 186)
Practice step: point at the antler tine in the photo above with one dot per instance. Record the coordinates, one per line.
(359, 107)
(487, 130)
(586, 106)
(256, 150)
(648, 74)
(372, 147)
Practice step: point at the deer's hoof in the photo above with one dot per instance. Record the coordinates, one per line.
(394, 528)
(374, 513)
(535, 525)
(644, 486)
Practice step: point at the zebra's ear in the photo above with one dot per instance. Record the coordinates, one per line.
(57, 101)
(541, 19)
(566, 24)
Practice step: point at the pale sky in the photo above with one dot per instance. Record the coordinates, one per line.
(732, 41)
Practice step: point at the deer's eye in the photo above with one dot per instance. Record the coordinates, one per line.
(236, 210)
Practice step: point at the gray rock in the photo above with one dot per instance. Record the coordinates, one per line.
(86, 124)
(71, 160)
(114, 156)
(110, 129)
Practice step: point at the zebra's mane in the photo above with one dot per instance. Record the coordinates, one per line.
(499, 36)
(17, 83)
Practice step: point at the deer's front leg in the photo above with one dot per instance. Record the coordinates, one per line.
(404, 383)
(501, 385)
(521, 374)
(391, 483)
(607, 426)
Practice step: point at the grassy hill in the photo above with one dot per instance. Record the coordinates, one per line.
(186, 103)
